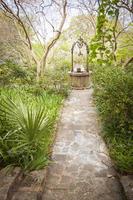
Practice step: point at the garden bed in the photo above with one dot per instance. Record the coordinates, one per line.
(27, 124)
(113, 95)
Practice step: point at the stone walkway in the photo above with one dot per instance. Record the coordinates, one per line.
(81, 168)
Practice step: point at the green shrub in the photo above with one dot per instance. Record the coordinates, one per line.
(56, 81)
(26, 128)
(114, 94)
(14, 74)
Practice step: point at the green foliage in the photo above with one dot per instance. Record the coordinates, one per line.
(121, 150)
(114, 86)
(103, 44)
(26, 127)
(11, 73)
(114, 94)
(125, 45)
(56, 80)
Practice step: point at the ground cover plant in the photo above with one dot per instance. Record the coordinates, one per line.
(113, 88)
(28, 114)
(26, 127)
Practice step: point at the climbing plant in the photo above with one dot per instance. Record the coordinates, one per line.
(103, 45)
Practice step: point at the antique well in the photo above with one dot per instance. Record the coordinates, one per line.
(79, 73)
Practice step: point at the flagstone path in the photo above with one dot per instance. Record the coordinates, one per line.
(81, 168)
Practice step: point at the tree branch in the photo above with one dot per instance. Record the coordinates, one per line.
(128, 62)
(57, 36)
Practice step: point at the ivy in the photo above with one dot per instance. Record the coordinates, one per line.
(102, 45)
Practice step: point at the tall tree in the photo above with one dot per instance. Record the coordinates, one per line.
(20, 11)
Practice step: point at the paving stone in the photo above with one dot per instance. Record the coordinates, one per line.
(31, 187)
(82, 169)
(7, 180)
(25, 196)
(17, 186)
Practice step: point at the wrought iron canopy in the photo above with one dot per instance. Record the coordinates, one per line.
(80, 43)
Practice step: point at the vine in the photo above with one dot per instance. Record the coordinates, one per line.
(103, 45)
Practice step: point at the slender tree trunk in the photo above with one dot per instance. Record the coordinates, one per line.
(54, 40)
(47, 50)
(37, 63)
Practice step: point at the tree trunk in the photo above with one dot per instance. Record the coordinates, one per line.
(54, 40)
(45, 56)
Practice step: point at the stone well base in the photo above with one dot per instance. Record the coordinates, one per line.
(79, 80)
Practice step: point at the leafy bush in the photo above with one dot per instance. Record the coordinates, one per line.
(12, 74)
(114, 94)
(56, 81)
(26, 128)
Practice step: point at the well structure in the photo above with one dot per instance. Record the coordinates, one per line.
(79, 76)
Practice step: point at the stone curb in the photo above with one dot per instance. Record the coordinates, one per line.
(15, 185)
(8, 182)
